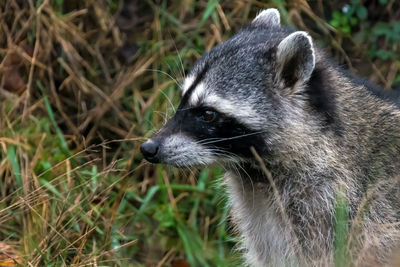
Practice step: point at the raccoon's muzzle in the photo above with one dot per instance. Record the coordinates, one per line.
(150, 150)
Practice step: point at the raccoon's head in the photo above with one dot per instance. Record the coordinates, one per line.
(236, 97)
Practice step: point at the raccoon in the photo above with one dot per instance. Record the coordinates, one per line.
(293, 132)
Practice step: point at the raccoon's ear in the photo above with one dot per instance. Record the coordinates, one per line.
(268, 17)
(295, 58)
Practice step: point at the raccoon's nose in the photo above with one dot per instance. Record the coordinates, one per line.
(149, 150)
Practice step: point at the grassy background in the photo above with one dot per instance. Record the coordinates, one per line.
(84, 83)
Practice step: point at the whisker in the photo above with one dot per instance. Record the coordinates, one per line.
(163, 72)
(169, 100)
(179, 56)
(251, 181)
(216, 140)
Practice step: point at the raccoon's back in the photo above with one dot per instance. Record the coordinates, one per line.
(389, 95)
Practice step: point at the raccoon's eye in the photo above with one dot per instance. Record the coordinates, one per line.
(208, 115)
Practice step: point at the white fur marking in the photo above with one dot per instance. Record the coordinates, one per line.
(244, 113)
(180, 150)
(187, 83)
(197, 93)
(268, 17)
(265, 239)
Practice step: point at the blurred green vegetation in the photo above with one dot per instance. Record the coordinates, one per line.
(84, 83)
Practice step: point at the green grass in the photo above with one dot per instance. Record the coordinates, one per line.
(74, 188)
(341, 230)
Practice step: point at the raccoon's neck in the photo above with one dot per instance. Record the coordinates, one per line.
(286, 223)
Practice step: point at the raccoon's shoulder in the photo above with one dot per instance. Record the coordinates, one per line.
(388, 95)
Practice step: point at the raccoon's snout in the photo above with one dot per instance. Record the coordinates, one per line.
(149, 150)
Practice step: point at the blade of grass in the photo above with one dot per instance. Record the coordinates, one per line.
(210, 8)
(12, 157)
(341, 230)
(60, 136)
(50, 187)
(201, 185)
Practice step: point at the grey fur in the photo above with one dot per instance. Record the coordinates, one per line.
(319, 131)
